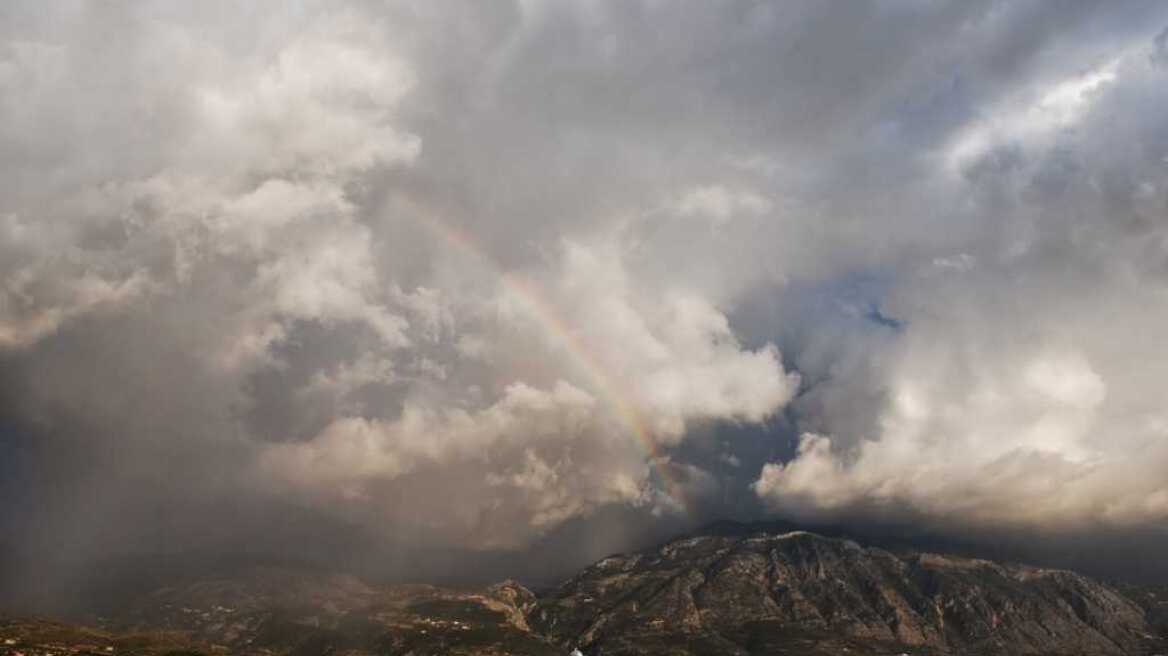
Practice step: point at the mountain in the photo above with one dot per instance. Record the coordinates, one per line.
(738, 590)
(744, 592)
(278, 610)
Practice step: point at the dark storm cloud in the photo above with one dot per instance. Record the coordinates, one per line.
(418, 270)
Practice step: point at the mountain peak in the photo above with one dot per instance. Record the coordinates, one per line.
(732, 585)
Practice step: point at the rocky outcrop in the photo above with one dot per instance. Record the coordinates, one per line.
(513, 600)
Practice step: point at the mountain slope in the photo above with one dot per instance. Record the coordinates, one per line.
(271, 610)
(725, 593)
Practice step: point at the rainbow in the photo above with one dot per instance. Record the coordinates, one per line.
(583, 359)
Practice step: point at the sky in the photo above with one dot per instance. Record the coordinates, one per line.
(434, 288)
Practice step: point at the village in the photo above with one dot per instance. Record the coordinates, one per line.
(14, 646)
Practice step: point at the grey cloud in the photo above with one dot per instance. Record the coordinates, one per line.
(422, 270)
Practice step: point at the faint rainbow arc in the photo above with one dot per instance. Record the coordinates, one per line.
(581, 355)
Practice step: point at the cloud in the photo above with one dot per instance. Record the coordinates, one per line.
(254, 209)
(719, 204)
(478, 277)
(644, 370)
(1058, 106)
(1017, 394)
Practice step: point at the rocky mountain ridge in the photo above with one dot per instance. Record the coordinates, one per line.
(714, 588)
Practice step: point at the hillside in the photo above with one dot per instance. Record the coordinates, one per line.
(739, 594)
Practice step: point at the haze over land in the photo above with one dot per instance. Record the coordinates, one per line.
(496, 289)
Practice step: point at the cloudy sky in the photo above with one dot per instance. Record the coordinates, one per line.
(487, 277)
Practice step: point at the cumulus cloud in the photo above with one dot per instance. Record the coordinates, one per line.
(248, 205)
(644, 370)
(1018, 391)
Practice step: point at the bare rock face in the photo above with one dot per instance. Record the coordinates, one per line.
(743, 594)
(513, 600)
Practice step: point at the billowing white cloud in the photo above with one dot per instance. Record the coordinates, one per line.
(246, 188)
(644, 369)
(1018, 392)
